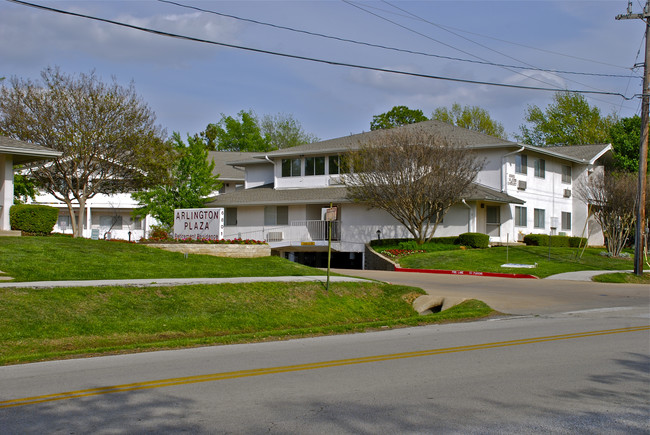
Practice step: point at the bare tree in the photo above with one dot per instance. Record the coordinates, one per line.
(412, 175)
(106, 133)
(613, 199)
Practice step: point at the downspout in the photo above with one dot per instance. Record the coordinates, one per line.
(469, 215)
(503, 158)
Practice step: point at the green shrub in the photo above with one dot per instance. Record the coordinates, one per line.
(557, 241)
(575, 242)
(33, 219)
(474, 240)
(449, 240)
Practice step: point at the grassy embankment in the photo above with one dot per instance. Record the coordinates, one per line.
(40, 324)
(451, 257)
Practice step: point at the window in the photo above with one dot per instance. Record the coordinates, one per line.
(521, 218)
(291, 168)
(334, 167)
(136, 223)
(539, 218)
(566, 220)
(521, 164)
(110, 222)
(540, 168)
(566, 174)
(315, 166)
(230, 217)
(276, 215)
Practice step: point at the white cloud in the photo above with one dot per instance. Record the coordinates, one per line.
(32, 36)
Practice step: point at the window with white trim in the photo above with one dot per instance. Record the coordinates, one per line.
(566, 220)
(539, 218)
(276, 215)
(521, 164)
(521, 216)
(540, 168)
(566, 174)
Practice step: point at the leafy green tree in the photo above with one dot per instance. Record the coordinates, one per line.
(625, 137)
(192, 182)
(24, 186)
(237, 134)
(471, 117)
(106, 133)
(569, 120)
(248, 133)
(398, 115)
(283, 131)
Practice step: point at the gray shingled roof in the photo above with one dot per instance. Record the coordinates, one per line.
(266, 195)
(25, 152)
(582, 153)
(457, 135)
(222, 165)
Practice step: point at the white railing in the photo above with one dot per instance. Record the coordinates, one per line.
(319, 230)
(297, 231)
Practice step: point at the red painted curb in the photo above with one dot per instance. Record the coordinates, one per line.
(468, 272)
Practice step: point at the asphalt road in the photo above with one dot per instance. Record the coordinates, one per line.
(519, 296)
(555, 371)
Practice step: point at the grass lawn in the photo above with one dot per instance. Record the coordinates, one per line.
(38, 324)
(491, 259)
(64, 258)
(625, 278)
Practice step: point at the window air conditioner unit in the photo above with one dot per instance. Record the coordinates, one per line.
(567, 193)
(335, 181)
(274, 236)
(521, 185)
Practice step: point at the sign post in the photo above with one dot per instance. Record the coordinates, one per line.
(330, 215)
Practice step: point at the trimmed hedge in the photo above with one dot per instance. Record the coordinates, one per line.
(557, 241)
(33, 219)
(474, 240)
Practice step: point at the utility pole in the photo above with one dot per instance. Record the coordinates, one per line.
(639, 242)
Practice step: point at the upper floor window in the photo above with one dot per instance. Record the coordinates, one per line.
(291, 168)
(540, 168)
(521, 164)
(334, 165)
(314, 166)
(566, 174)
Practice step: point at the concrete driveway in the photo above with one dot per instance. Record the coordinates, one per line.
(520, 296)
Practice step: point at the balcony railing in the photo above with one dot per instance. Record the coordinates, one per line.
(296, 231)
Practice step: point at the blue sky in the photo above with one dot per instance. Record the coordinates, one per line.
(190, 84)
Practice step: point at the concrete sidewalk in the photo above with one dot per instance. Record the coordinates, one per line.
(584, 275)
(174, 281)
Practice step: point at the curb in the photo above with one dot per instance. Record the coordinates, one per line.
(467, 272)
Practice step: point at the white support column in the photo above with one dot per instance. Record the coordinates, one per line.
(6, 190)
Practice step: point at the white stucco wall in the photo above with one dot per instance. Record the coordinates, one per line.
(258, 175)
(491, 174)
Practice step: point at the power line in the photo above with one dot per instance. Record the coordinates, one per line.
(477, 43)
(384, 47)
(311, 59)
(556, 53)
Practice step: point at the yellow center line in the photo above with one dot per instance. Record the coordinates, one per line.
(299, 367)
